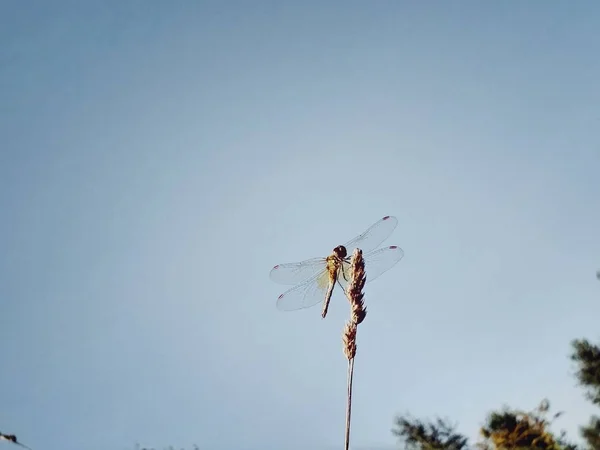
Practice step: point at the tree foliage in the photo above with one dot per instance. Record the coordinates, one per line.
(587, 357)
(591, 433)
(512, 429)
(505, 429)
(419, 435)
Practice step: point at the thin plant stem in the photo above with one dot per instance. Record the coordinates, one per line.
(349, 403)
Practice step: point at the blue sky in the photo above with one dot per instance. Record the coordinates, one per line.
(157, 159)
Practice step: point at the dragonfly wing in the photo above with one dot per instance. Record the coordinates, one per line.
(373, 236)
(294, 273)
(305, 295)
(376, 263)
(381, 261)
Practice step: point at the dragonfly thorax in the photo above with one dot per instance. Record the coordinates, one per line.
(335, 261)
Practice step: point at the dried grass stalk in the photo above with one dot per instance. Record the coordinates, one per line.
(358, 313)
(349, 340)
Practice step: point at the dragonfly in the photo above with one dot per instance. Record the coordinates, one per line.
(315, 278)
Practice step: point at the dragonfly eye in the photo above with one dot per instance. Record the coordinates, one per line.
(340, 251)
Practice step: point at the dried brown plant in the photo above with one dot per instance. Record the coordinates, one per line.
(358, 312)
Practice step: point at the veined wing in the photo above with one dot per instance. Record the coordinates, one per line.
(381, 260)
(376, 263)
(294, 273)
(305, 295)
(373, 236)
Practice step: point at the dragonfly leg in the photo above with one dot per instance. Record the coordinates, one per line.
(341, 287)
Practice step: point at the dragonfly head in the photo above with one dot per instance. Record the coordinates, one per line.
(340, 251)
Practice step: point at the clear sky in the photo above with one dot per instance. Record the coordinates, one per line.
(158, 158)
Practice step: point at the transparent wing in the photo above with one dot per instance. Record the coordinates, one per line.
(382, 260)
(305, 295)
(376, 263)
(374, 236)
(294, 273)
